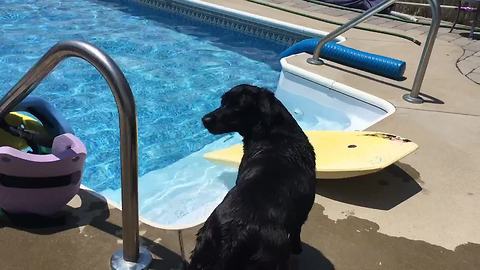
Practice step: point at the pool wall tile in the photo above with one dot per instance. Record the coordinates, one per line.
(251, 28)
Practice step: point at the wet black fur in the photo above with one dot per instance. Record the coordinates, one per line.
(258, 223)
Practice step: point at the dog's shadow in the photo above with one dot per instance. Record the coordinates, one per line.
(310, 259)
(382, 190)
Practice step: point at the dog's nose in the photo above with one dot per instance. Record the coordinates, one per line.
(208, 119)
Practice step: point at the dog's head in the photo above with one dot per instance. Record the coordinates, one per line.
(244, 109)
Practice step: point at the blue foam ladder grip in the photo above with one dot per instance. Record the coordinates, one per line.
(377, 64)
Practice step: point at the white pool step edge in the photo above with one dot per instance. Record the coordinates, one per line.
(142, 220)
(388, 107)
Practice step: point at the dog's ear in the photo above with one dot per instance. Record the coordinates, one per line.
(266, 107)
(265, 103)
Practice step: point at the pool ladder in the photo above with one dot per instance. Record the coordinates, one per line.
(413, 96)
(132, 256)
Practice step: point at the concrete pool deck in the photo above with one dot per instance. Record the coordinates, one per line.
(421, 213)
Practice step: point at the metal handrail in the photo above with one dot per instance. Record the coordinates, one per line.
(128, 130)
(427, 50)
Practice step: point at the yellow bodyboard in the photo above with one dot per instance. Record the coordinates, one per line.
(339, 154)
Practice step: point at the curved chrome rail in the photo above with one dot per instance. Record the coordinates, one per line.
(427, 50)
(128, 133)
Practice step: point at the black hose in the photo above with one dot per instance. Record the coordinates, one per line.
(355, 10)
(414, 40)
(382, 15)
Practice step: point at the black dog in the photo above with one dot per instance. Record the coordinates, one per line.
(258, 223)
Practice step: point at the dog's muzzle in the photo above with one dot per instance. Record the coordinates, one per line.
(208, 121)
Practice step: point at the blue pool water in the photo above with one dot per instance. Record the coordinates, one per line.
(177, 69)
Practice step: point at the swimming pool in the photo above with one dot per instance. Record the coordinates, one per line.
(177, 68)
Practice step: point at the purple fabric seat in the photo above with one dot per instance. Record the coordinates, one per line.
(41, 184)
(359, 4)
